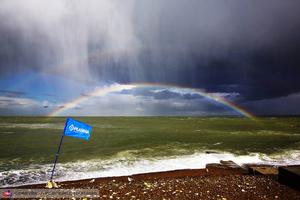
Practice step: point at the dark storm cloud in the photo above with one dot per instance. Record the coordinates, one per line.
(276, 106)
(160, 93)
(22, 49)
(251, 47)
(181, 106)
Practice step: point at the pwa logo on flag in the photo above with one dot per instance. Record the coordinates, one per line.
(77, 129)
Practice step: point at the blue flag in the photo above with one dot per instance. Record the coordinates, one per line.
(77, 129)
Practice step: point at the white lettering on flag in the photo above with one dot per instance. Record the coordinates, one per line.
(78, 130)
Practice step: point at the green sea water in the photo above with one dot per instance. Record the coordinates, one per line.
(33, 141)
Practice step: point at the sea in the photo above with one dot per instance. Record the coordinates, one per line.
(132, 145)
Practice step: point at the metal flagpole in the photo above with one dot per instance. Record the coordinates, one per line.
(56, 157)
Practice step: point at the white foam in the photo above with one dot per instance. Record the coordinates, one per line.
(32, 126)
(122, 166)
(195, 161)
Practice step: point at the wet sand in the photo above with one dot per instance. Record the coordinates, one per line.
(218, 183)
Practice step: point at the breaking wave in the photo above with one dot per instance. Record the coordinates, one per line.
(126, 164)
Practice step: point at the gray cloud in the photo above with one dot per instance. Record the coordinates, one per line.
(11, 93)
(6, 100)
(150, 101)
(253, 45)
(143, 101)
(20, 106)
(160, 93)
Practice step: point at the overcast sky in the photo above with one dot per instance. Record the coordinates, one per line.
(54, 51)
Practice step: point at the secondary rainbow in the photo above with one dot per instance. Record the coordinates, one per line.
(119, 87)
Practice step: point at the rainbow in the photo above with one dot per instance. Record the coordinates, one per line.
(119, 87)
(97, 92)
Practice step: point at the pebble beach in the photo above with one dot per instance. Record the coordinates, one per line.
(210, 183)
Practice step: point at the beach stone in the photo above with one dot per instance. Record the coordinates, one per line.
(130, 179)
(148, 185)
(234, 186)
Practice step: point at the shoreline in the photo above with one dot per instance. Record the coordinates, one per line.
(202, 171)
(71, 171)
(224, 180)
(147, 176)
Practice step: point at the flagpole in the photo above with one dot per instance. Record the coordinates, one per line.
(56, 156)
(76, 129)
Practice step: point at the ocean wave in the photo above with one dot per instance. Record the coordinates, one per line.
(264, 133)
(33, 126)
(126, 164)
